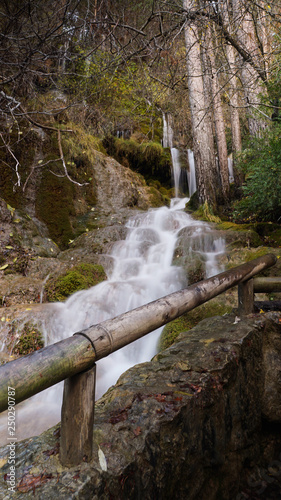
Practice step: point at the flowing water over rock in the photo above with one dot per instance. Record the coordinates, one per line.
(142, 271)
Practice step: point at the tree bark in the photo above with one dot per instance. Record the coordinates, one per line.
(245, 27)
(207, 178)
(218, 120)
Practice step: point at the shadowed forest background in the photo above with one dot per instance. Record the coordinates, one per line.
(107, 72)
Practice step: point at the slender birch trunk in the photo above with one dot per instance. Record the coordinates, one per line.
(218, 118)
(207, 180)
(252, 85)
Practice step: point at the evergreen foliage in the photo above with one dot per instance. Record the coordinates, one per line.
(261, 164)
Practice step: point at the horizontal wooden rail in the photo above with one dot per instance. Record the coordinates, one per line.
(267, 285)
(42, 369)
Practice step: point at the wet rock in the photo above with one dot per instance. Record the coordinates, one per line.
(271, 403)
(186, 422)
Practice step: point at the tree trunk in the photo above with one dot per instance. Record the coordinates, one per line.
(219, 120)
(252, 86)
(234, 101)
(207, 179)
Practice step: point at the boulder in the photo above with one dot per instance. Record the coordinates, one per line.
(184, 424)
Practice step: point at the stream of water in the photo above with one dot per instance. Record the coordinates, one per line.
(142, 271)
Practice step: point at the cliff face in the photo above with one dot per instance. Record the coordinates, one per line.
(50, 215)
(189, 423)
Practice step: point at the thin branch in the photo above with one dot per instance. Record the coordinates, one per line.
(64, 165)
(46, 127)
(16, 168)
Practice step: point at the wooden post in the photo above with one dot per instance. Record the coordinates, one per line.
(48, 366)
(77, 418)
(246, 297)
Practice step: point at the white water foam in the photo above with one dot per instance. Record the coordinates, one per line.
(142, 272)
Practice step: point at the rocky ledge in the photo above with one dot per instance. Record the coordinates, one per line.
(185, 424)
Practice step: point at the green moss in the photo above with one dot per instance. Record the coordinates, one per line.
(157, 199)
(172, 330)
(54, 205)
(259, 252)
(147, 158)
(205, 212)
(29, 341)
(80, 277)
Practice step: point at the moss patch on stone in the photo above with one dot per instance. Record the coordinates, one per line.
(30, 340)
(79, 277)
(148, 158)
(189, 320)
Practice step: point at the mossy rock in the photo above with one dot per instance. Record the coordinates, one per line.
(187, 321)
(79, 277)
(269, 232)
(157, 199)
(30, 340)
(149, 159)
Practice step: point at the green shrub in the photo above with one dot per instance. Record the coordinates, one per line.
(261, 162)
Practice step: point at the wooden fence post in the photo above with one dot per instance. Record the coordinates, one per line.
(246, 297)
(77, 418)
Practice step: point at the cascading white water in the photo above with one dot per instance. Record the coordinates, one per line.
(142, 271)
(191, 174)
(176, 169)
(230, 169)
(168, 142)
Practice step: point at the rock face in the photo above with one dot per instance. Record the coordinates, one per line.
(183, 425)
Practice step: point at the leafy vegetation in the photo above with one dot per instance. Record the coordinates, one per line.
(261, 165)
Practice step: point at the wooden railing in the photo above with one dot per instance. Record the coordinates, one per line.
(73, 359)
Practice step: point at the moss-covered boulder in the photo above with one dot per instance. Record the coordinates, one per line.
(148, 158)
(186, 322)
(26, 340)
(79, 277)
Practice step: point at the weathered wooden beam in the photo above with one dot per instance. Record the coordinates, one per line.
(246, 298)
(77, 418)
(267, 285)
(37, 371)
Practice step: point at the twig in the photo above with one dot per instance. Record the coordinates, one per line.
(64, 165)
(16, 168)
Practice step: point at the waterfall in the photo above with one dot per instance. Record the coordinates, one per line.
(176, 169)
(191, 174)
(230, 169)
(141, 272)
(168, 134)
(168, 142)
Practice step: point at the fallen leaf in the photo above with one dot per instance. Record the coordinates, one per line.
(30, 482)
(236, 320)
(137, 431)
(53, 451)
(3, 461)
(102, 460)
(4, 267)
(207, 341)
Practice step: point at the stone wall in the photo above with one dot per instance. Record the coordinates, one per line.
(185, 425)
